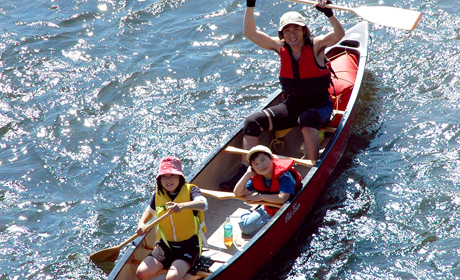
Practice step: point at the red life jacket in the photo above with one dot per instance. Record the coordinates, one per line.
(304, 80)
(280, 166)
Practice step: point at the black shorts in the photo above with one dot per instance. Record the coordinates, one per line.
(188, 251)
(289, 114)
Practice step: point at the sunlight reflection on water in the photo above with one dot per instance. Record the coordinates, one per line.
(94, 93)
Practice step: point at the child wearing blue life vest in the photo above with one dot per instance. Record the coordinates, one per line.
(179, 245)
(274, 180)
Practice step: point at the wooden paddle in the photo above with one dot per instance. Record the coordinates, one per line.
(230, 195)
(111, 254)
(305, 162)
(383, 15)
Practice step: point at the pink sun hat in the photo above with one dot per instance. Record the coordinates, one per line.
(170, 165)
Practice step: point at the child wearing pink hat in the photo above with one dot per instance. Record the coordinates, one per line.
(179, 245)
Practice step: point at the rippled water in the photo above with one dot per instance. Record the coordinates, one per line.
(93, 93)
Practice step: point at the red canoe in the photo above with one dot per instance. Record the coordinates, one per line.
(248, 255)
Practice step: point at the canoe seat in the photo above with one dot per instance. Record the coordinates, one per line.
(277, 144)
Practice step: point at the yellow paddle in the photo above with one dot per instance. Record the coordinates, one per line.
(383, 15)
(111, 254)
(305, 162)
(230, 195)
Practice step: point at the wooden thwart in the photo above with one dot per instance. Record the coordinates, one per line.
(305, 162)
(329, 129)
(230, 195)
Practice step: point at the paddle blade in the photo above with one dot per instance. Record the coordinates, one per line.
(109, 255)
(389, 16)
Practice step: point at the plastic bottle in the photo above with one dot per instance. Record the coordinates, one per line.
(228, 232)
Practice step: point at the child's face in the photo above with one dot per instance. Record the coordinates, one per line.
(263, 165)
(170, 182)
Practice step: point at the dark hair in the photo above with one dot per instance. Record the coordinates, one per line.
(256, 154)
(306, 32)
(161, 190)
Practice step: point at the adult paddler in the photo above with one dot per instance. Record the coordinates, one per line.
(304, 77)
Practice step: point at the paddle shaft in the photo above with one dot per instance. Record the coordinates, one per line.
(228, 195)
(147, 228)
(235, 150)
(330, 6)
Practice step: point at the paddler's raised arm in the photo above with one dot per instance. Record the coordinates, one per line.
(258, 37)
(335, 35)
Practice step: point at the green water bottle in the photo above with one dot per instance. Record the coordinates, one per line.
(228, 232)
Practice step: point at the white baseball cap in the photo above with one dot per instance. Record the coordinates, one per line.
(291, 18)
(258, 148)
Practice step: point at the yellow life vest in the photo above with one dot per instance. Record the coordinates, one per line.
(179, 226)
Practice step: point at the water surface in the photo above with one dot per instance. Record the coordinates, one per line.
(94, 93)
